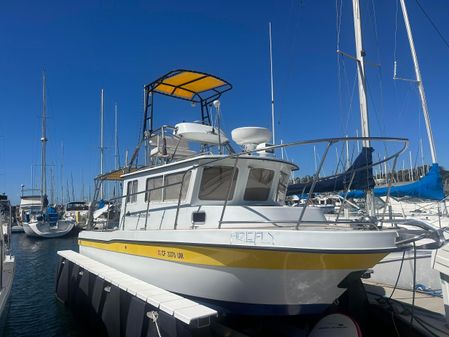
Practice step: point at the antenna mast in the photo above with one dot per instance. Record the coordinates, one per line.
(117, 164)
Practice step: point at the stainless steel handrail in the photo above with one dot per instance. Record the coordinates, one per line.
(330, 142)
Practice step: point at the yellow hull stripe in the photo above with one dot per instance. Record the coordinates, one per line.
(241, 258)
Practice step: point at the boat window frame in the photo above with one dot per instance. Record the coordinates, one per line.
(185, 186)
(281, 198)
(267, 188)
(158, 190)
(225, 185)
(132, 187)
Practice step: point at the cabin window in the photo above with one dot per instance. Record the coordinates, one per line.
(152, 193)
(282, 187)
(172, 192)
(216, 181)
(131, 190)
(259, 184)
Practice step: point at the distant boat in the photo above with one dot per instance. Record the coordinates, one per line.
(45, 223)
(77, 211)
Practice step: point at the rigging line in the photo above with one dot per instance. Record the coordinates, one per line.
(340, 99)
(415, 165)
(379, 69)
(376, 34)
(338, 21)
(351, 100)
(351, 93)
(396, 31)
(432, 23)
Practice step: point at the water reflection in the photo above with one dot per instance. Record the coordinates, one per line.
(34, 309)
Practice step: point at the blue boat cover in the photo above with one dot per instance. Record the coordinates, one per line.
(428, 187)
(359, 176)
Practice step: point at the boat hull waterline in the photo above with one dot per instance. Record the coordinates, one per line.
(44, 230)
(252, 278)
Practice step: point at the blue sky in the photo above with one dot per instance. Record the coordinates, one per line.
(121, 45)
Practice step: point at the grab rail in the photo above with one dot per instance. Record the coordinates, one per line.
(329, 143)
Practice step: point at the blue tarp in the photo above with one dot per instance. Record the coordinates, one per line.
(359, 175)
(428, 187)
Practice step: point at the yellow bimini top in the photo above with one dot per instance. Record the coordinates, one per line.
(189, 85)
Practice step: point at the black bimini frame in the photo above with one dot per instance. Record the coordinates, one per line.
(203, 95)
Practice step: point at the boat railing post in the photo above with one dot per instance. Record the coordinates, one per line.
(8, 243)
(2, 255)
(315, 180)
(346, 196)
(179, 198)
(148, 196)
(90, 214)
(124, 209)
(387, 199)
(228, 193)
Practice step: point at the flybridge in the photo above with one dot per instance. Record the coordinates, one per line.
(192, 86)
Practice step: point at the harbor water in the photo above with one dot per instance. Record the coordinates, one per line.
(34, 309)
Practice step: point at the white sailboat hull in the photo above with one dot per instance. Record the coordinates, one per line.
(387, 271)
(44, 230)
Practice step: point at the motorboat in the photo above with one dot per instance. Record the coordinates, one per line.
(211, 224)
(29, 206)
(77, 211)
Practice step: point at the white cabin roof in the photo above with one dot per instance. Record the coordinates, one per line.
(194, 160)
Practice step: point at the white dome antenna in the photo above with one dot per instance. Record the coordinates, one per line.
(250, 137)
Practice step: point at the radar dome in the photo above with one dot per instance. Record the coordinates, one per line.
(250, 137)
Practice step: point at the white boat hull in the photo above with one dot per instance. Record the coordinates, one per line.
(244, 276)
(387, 270)
(44, 230)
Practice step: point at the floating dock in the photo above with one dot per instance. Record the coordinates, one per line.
(127, 306)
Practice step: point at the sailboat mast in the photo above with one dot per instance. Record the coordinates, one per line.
(101, 138)
(360, 54)
(422, 93)
(117, 164)
(44, 139)
(272, 88)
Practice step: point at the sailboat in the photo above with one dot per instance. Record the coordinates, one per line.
(46, 223)
(429, 186)
(414, 265)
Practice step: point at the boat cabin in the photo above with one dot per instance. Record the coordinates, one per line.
(193, 176)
